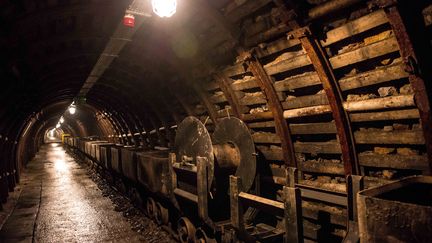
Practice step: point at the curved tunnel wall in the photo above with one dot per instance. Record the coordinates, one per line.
(332, 94)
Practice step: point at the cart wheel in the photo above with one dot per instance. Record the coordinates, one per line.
(161, 214)
(186, 230)
(201, 237)
(150, 208)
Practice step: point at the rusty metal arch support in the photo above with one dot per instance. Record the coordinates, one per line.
(409, 55)
(110, 120)
(334, 95)
(115, 118)
(127, 114)
(282, 129)
(150, 105)
(324, 70)
(206, 101)
(224, 84)
(120, 117)
(101, 100)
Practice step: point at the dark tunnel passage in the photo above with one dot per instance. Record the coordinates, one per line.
(221, 120)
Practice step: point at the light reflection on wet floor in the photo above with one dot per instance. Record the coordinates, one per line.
(72, 208)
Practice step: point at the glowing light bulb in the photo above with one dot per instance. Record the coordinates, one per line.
(72, 109)
(61, 119)
(164, 8)
(58, 125)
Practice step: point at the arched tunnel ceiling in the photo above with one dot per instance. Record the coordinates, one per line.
(51, 46)
(289, 69)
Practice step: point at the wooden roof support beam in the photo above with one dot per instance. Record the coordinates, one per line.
(325, 72)
(410, 56)
(266, 84)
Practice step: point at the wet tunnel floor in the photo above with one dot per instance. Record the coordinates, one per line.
(60, 203)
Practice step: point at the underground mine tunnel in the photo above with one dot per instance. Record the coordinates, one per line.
(215, 121)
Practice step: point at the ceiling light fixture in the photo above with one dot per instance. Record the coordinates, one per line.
(58, 125)
(72, 109)
(164, 8)
(61, 119)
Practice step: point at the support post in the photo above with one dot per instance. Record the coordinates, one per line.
(293, 215)
(354, 185)
(236, 207)
(202, 189)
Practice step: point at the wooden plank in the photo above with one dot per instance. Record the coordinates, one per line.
(299, 129)
(307, 111)
(218, 98)
(275, 46)
(314, 211)
(385, 115)
(355, 27)
(263, 124)
(298, 81)
(413, 137)
(305, 101)
(253, 98)
(234, 70)
(322, 167)
(329, 187)
(224, 113)
(271, 153)
(262, 203)
(299, 61)
(395, 161)
(331, 147)
(323, 196)
(379, 75)
(266, 137)
(249, 83)
(267, 115)
(396, 101)
(313, 128)
(364, 53)
(186, 195)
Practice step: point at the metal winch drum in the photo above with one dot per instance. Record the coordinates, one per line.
(230, 149)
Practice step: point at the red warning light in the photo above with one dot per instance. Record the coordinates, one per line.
(129, 20)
